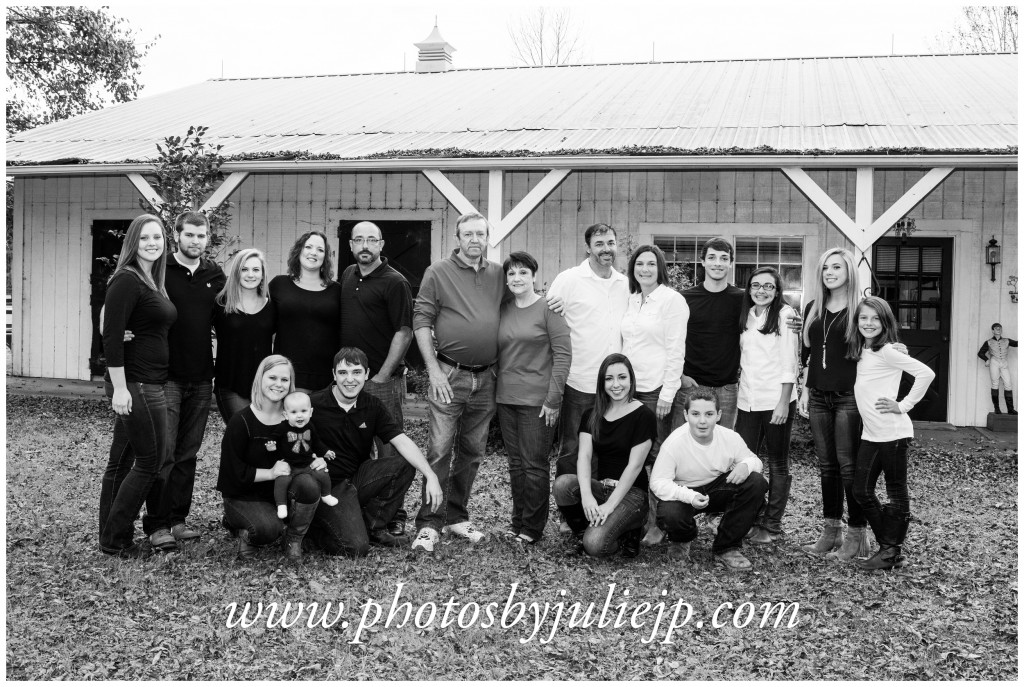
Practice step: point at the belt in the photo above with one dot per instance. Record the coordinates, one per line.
(459, 366)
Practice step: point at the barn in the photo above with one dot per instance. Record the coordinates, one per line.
(910, 161)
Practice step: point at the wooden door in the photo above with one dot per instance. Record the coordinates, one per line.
(107, 237)
(915, 276)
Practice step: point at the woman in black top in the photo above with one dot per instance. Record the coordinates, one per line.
(245, 321)
(608, 510)
(134, 381)
(251, 459)
(308, 303)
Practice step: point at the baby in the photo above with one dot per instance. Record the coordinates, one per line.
(302, 447)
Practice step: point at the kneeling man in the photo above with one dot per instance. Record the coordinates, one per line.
(369, 492)
(702, 467)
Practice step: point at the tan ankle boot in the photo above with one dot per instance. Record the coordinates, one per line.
(831, 538)
(855, 546)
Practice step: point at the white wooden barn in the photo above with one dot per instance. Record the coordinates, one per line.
(786, 157)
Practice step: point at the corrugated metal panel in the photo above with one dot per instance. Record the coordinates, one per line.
(940, 103)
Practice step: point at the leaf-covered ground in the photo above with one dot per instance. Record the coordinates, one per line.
(75, 614)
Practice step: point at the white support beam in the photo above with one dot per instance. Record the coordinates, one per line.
(528, 204)
(862, 219)
(822, 201)
(910, 199)
(448, 190)
(495, 206)
(224, 190)
(148, 193)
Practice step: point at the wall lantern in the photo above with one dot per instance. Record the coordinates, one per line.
(904, 228)
(1012, 283)
(992, 255)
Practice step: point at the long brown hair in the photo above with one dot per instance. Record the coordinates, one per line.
(771, 322)
(128, 259)
(890, 329)
(601, 398)
(326, 267)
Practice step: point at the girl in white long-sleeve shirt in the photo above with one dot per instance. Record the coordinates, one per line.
(887, 428)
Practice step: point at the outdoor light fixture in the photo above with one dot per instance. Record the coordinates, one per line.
(904, 227)
(992, 255)
(1012, 283)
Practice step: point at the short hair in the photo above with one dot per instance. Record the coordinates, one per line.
(364, 224)
(268, 363)
(198, 219)
(352, 356)
(659, 256)
(719, 243)
(701, 393)
(520, 259)
(599, 228)
(297, 395)
(471, 216)
(326, 268)
(996, 324)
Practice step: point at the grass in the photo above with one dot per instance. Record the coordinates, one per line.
(75, 614)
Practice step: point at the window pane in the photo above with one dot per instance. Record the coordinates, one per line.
(743, 273)
(792, 277)
(929, 317)
(746, 250)
(768, 252)
(908, 317)
(930, 290)
(791, 251)
(910, 259)
(887, 288)
(908, 289)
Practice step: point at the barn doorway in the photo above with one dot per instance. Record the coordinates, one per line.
(107, 237)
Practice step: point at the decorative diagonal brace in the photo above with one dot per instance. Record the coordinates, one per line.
(822, 201)
(448, 190)
(910, 199)
(147, 192)
(224, 190)
(528, 204)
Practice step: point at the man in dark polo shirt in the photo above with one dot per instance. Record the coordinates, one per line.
(376, 317)
(459, 298)
(369, 492)
(192, 283)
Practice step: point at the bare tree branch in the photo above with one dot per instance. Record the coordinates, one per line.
(546, 37)
(982, 28)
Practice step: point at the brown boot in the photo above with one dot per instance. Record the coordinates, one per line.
(831, 538)
(855, 546)
(292, 547)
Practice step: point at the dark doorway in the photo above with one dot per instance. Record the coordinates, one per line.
(107, 236)
(407, 248)
(915, 276)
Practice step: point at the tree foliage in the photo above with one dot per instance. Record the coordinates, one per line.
(546, 37)
(982, 29)
(63, 61)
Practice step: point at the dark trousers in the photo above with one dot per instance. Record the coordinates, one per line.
(574, 403)
(258, 520)
(835, 427)
(391, 393)
(888, 458)
(188, 407)
(755, 427)
(366, 502)
(528, 444)
(229, 403)
(650, 399)
(282, 483)
(739, 504)
(139, 442)
(602, 540)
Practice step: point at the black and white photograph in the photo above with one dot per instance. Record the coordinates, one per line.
(410, 341)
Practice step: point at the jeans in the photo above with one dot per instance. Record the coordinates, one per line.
(739, 504)
(258, 519)
(650, 399)
(457, 441)
(574, 404)
(726, 403)
(755, 426)
(229, 403)
(188, 407)
(139, 443)
(603, 540)
(874, 458)
(366, 502)
(528, 443)
(391, 393)
(835, 427)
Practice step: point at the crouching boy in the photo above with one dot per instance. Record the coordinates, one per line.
(706, 468)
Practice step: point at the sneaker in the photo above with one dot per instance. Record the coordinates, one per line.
(396, 528)
(464, 530)
(163, 540)
(382, 537)
(183, 532)
(426, 539)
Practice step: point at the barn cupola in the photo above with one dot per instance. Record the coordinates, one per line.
(435, 53)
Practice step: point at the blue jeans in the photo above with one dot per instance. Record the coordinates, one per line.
(726, 403)
(873, 459)
(366, 502)
(528, 444)
(188, 408)
(603, 540)
(650, 399)
(835, 427)
(391, 393)
(457, 442)
(140, 438)
(739, 504)
(258, 518)
(574, 404)
(755, 426)
(229, 403)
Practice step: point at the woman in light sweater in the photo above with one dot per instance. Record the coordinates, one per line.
(887, 428)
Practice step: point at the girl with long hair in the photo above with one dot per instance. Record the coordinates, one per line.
(766, 399)
(135, 300)
(887, 428)
(245, 321)
(607, 509)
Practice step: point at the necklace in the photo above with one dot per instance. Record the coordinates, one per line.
(824, 340)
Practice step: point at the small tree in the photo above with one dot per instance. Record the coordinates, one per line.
(981, 29)
(546, 37)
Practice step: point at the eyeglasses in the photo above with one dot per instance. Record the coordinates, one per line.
(368, 242)
(768, 287)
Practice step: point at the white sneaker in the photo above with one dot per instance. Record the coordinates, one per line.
(464, 530)
(426, 539)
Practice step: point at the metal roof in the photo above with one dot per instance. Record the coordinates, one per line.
(836, 105)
